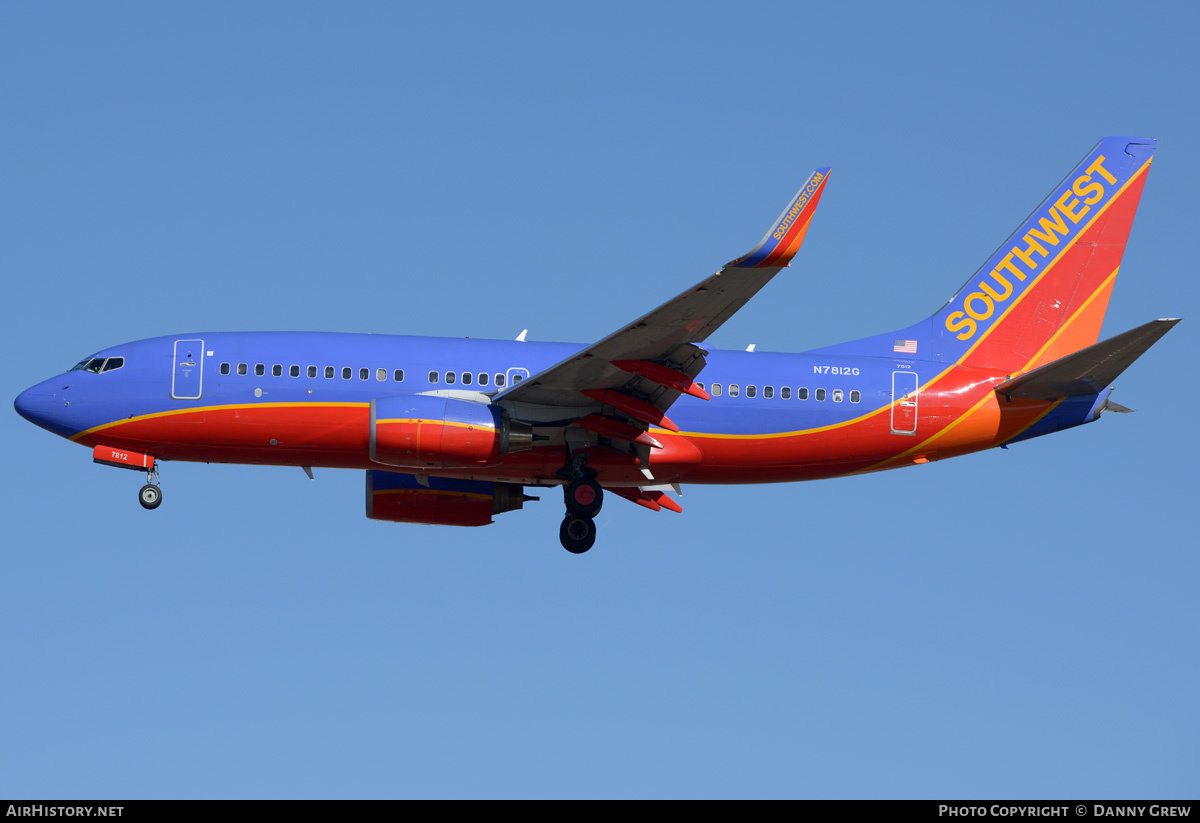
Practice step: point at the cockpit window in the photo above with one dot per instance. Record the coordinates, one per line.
(98, 364)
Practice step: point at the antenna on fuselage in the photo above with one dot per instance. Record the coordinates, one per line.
(750, 347)
(521, 336)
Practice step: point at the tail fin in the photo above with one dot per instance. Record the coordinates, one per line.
(1043, 294)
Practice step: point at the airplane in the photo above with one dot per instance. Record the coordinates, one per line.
(453, 431)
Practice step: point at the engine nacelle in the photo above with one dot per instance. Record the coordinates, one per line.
(417, 431)
(401, 498)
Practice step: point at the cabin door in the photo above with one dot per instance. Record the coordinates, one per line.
(188, 367)
(904, 402)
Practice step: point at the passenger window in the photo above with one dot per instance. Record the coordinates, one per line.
(398, 375)
(734, 390)
(517, 378)
(294, 371)
(500, 380)
(346, 372)
(837, 395)
(451, 377)
(785, 393)
(801, 394)
(312, 371)
(381, 375)
(364, 374)
(716, 390)
(700, 385)
(820, 394)
(329, 372)
(768, 392)
(483, 378)
(259, 369)
(466, 378)
(751, 391)
(855, 396)
(277, 370)
(242, 368)
(433, 377)
(224, 368)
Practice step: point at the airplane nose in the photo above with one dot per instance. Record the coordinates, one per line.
(54, 405)
(34, 404)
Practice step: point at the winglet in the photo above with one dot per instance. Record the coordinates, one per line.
(783, 240)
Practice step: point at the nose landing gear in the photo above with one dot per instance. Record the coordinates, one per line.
(150, 495)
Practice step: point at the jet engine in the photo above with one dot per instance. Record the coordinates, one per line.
(403, 498)
(419, 431)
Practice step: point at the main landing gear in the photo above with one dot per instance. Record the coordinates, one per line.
(583, 497)
(150, 495)
(577, 533)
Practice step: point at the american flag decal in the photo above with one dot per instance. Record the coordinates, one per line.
(905, 346)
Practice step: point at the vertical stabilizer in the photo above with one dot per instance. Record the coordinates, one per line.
(1042, 295)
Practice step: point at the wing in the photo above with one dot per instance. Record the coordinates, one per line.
(627, 381)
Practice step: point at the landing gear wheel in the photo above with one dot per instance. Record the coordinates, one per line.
(577, 534)
(584, 497)
(150, 496)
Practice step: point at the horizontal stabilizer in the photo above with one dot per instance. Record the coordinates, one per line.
(1090, 370)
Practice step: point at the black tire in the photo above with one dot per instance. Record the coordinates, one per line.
(584, 497)
(150, 496)
(577, 534)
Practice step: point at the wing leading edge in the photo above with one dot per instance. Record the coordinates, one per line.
(638, 371)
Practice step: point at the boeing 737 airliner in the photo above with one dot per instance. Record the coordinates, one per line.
(451, 431)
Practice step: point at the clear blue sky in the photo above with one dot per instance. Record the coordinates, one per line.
(1017, 623)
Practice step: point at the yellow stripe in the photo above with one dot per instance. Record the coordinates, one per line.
(1031, 361)
(817, 430)
(717, 436)
(966, 354)
(437, 422)
(976, 407)
(228, 407)
(1050, 265)
(921, 446)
